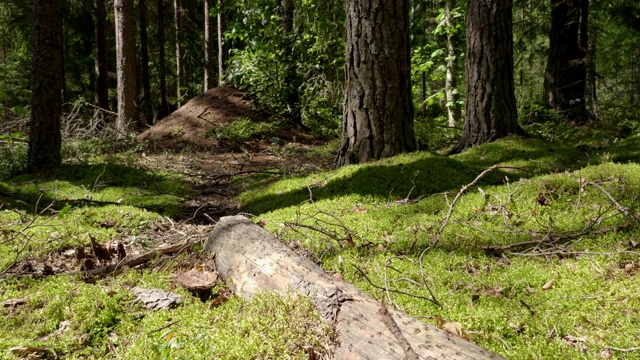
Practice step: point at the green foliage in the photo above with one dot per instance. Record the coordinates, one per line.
(431, 137)
(244, 129)
(317, 58)
(13, 159)
(429, 56)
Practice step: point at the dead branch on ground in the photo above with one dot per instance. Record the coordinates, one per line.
(391, 325)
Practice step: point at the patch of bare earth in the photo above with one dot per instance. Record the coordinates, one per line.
(184, 143)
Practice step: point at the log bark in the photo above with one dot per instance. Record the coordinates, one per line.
(252, 260)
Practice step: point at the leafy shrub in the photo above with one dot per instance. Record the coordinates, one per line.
(244, 129)
(13, 159)
(431, 137)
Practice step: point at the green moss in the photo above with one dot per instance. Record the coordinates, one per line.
(485, 293)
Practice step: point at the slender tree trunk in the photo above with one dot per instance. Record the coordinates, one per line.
(126, 67)
(591, 94)
(450, 83)
(47, 83)
(144, 50)
(378, 110)
(490, 106)
(634, 91)
(564, 81)
(162, 62)
(102, 72)
(209, 68)
(291, 82)
(178, 16)
(221, 50)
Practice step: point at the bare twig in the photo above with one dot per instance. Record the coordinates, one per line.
(433, 301)
(139, 259)
(24, 245)
(463, 190)
(388, 321)
(621, 208)
(624, 350)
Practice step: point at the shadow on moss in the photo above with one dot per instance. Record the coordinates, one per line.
(95, 185)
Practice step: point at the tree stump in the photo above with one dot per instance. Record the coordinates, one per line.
(252, 260)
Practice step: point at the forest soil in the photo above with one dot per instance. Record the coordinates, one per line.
(184, 142)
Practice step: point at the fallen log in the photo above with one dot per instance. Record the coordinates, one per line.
(252, 260)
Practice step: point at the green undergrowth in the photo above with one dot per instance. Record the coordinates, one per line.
(384, 218)
(376, 223)
(107, 201)
(79, 317)
(101, 320)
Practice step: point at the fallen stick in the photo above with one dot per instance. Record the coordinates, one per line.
(132, 261)
(251, 260)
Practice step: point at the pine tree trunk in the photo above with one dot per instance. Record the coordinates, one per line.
(162, 61)
(47, 84)
(144, 50)
(209, 68)
(565, 76)
(490, 106)
(126, 67)
(178, 16)
(102, 72)
(378, 110)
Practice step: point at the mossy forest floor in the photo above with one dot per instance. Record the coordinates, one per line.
(539, 259)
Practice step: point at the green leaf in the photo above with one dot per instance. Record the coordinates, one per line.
(64, 211)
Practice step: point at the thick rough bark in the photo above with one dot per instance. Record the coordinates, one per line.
(47, 83)
(251, 260)
(178, 16)
(490, 105)
(102, 71)
(565, 76)
(126, 66)
(209, 80)
(144, 55)
(162, 62)
(378, 110)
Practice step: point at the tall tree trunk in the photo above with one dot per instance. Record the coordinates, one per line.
(490, 107)
(209, 68)
(162, 62)
(564, 81)
(378, 110)
(126, 67)
(102, 72)
(178, 16)
(291, 82)
(221, 48)
(47, 83)
(591, 94)
(450, 83)
(634, 93)
(144, 55)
